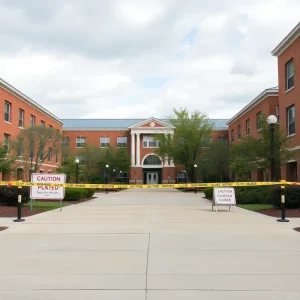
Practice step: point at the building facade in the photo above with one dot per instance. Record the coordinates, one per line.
(18, 112)
(138, 136)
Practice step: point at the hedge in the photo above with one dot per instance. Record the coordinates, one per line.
(292, 196)
(9, 195)
(248, 194)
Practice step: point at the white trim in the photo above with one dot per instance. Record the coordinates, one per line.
(266, 93)
(291, 161)
(287, 41)
(12, 90)
(152, 119)
(152, 166)
(94, 129)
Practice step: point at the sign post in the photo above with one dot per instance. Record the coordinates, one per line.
(48, 192)
(223, 196)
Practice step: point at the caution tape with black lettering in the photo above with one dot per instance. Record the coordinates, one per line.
(146, 186)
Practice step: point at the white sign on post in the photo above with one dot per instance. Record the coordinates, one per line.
(47, 192)
(223, 196)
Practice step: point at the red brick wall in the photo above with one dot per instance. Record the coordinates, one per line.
(267, 107)
(13, 129)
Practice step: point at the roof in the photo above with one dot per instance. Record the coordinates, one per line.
(119, 124)
(287, 41)
(5, 85)
(266, 93)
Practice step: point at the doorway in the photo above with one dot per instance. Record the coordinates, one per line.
(152, 178)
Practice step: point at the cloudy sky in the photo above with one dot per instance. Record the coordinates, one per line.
(141, 58)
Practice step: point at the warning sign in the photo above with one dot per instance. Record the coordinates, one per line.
(224, 196)
(45, 191)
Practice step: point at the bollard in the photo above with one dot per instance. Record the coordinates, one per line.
(19, 209)
(283, 219)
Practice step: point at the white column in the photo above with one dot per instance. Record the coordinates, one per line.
(138, 150)
(132, 149)
(166, 161)
(172, 163)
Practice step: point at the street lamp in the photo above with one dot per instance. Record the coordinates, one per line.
(77, 168)
(114, 172)
(272, 120)
(195, 173)
(107, 166)
(121, 178)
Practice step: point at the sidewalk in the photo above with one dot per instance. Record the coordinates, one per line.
(150, 244)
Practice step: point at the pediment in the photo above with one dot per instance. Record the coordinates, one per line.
(152, 123)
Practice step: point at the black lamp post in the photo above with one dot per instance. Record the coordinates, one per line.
(77, 169)
(272, 120)
(195, 176)
(121, 179)
(107, 166)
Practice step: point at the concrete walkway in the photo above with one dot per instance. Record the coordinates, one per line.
(149, 244)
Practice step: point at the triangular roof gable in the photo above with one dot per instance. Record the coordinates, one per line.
(152, 123)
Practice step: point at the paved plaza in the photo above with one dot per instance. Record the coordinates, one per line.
(149, 244)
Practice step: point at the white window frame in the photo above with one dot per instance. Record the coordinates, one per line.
(147, 139)
(50, 150)
(43, 124)
(32, 120)
(248, 127)
(80, 142)
(21, 118)
(277, 114)
(7, 111)
(291, 61)
(239, 133)
(6, 141)
(232, 136)
(122, 142)
(259, 121)
(288, 120)
(104, 141)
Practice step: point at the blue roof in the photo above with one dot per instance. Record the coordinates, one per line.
(119, 123)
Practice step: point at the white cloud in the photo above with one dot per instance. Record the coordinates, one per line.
(88, 58)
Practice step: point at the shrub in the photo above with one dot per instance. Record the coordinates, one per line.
(96, 178)
(90, 192)
(292, 196)
(253, 194)
(208, 192)
(72, 194)
(9, 195)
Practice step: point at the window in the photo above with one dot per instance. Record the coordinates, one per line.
(50, 126)
(6, 142)
(239, 132)
(122, 142)
(80, 142)
(7, 111)
(56, 157)
(277, 114)
(50, 155)
(21, 118)
(259, 120)
(152, 160)
(149, 142)
(43, 123)
(20, 147)
(232, 135)
(290, 116)
(248, 127)
(66, 142)
(42, 154)
(289, 74)
(104, 142)
(32, 120)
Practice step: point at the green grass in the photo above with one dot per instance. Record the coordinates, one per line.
(255, 207)
(46, 205)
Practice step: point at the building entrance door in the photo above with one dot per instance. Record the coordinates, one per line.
(152, 178)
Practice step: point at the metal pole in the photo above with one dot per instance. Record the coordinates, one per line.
(272, 127)
(195, 174)
(106, 191)
(77, 171)
(283, 219)
(19, 209)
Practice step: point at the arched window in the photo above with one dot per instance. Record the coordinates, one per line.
(152, 160)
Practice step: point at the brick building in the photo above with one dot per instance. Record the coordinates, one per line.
(137, 135)
(17, 111)
(282, 102)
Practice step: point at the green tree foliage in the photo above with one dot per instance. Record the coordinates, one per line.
(36, 144)
(213, 165)
(6, 162)
(192, 135)
(251, 153)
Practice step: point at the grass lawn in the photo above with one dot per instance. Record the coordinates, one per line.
(46, 205)
(255, 207)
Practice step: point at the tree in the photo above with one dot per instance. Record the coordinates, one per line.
(191, 136)
(251, 153)
(213, 165)
(36, 144)
(5, 161)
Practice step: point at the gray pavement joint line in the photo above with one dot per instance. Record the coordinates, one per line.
(150, 220)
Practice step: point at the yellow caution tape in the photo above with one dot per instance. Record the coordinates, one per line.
(146, 186)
